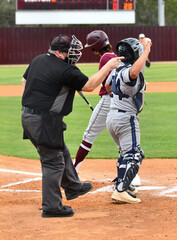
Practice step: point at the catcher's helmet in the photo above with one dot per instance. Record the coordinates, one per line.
(130, 48)
(97, 40)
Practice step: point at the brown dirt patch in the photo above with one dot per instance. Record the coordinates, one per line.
(96, 215)
(17, 90)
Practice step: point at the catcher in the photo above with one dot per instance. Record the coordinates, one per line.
(128, 88)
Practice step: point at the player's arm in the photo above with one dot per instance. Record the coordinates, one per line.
(96, 79)
(138, 65)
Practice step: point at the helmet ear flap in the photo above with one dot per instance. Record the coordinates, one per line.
(123, 50)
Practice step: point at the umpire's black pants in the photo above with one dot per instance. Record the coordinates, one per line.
(57, 167)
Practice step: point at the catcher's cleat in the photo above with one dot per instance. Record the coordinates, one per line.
(136, 181)
(124, 197)
(131, 188)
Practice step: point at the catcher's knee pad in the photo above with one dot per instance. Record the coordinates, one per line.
(142, 156)
(128, 169)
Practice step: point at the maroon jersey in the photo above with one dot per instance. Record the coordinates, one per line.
(103, 60)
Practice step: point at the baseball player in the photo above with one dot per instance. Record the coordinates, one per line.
(50, 83)
(128, 86)
(98, 42)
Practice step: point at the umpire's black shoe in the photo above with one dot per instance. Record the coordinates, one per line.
(63, 212)
(85, 188)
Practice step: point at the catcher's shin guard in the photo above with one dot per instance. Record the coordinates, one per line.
(127, 170)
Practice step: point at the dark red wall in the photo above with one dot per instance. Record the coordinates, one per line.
(20, 45)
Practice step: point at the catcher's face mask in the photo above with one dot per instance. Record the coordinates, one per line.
(74, 52)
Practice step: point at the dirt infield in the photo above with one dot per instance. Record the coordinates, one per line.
(96, 217)
(17, 90)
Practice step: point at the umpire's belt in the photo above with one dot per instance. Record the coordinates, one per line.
(33, 111)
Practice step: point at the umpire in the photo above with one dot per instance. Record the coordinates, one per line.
(50, 83)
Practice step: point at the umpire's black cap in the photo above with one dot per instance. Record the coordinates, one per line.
(61, 42)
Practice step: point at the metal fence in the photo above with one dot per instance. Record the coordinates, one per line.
(20, 45)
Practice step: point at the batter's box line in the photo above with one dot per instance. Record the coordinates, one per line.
(39, 174)
(110, 188)
(20, 172)
(18, 190)
(21, 182)
(169, 192)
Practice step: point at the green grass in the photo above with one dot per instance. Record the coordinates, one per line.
(88, 69)
(157, 122)
(11, 75)
(158, 72)
(158, 125)
(161, 72)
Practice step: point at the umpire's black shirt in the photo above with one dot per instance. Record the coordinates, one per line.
(51, 84)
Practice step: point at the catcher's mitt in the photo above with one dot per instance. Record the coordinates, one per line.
(148, 63)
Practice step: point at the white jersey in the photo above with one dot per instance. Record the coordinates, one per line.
(127, 87)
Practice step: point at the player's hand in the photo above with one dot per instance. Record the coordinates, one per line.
(147, 43)
(114, 62)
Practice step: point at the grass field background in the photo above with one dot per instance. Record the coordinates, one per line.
(157, 120)
(158, 72)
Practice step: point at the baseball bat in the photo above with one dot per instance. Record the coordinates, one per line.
(83, 96)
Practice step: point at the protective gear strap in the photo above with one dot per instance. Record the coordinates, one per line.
(138, 98)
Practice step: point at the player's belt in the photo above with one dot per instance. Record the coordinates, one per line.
(120, 110)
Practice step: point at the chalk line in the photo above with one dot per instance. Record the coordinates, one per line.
(20, 172)
(21, 182)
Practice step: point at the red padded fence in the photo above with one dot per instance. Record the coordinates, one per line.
(20, 45)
